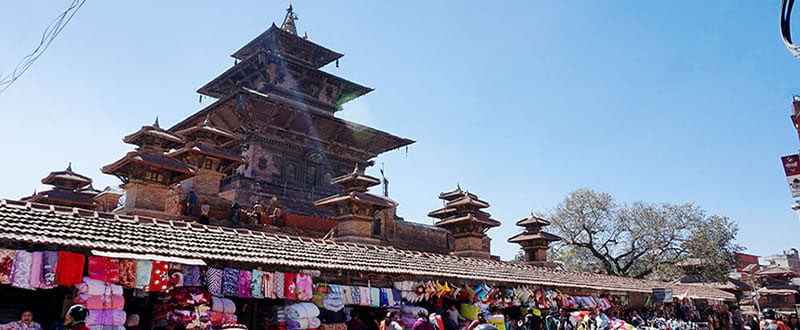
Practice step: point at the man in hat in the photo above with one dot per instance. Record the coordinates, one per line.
(76, 318)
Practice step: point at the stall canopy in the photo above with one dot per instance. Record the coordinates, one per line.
(39, 224)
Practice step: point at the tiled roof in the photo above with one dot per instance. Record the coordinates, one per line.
(153, 159)
(68, 227)
(526, 236)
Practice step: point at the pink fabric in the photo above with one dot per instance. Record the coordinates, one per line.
(6, 265)
(36, 269)
(95, 317)
(244, 284)
(117, 302)
(118, 318)
(116, 290)
(21, 276)
(92, 287)
(230, 306)
(217, 305)
(95, 302)
(304, 287)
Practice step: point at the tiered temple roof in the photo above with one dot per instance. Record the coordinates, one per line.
(204, 144)
(148, 162)
(533, 231)
(69, 189)
(461, 210)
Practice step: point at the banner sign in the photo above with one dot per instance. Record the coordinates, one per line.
(662, 295)
(791, 166)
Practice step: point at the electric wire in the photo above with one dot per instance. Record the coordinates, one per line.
(50, 33)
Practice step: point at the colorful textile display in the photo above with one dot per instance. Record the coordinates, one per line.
(36, 269)
(214, 281)
(104, 269)
(268, 280)
(290, 286)
(244, 284)
(364, 296)
(104, 301)
(21, 275)
(191, 275)
(6, 265)
(49, 267)
(302, 316)
(230, 282)
(257, 283)
(159, 277)
(69, 270)
(304, 287)
(127, 273)
(175, 276)
(144, 268)
(279, 285)
(374, 297)
(185, 307)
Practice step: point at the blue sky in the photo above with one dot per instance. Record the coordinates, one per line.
(518, 101)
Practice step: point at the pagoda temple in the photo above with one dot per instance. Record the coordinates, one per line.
(147, 172)
(534, 241)
(69, 189)
(282, 105)
(463, 217)
(354, 209)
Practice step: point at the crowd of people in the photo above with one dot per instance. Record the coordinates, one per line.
(716, 317)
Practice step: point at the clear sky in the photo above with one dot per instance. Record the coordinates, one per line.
(518, 101)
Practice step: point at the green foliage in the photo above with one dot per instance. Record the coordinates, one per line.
(642, 240)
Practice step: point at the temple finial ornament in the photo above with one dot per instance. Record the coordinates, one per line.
(156, 123)
(288, 21)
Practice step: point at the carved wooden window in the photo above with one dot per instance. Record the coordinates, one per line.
(208, 163)
(376, 227)
(291, 172)
(154, 176)
(311, 174)
(327, 178)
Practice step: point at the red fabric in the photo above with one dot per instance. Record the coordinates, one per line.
(104, 269)
(127, 273)
(290, 286)
(69, 270)
(159, 276)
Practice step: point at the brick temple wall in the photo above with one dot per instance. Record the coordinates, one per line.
(414, 236)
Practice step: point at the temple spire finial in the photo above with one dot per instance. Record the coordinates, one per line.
(156, 123)
(288, 21)
(69, 167)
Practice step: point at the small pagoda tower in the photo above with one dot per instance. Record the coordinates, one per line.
(205, 152)
(147, 172)
(462, 216)
(69, 189)
(534, 241)
(354, 209)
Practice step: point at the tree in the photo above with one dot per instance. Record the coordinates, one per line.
(642, 240)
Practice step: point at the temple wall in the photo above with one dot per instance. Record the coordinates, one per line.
(418, 237)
